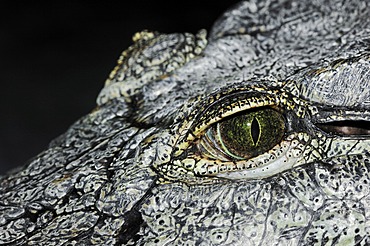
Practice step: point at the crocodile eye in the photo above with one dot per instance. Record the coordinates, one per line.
(243, 136)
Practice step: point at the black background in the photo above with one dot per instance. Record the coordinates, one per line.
(55, 57)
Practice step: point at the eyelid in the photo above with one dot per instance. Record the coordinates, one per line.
(228, 106)
(220, 105)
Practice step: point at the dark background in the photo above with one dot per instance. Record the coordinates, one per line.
(55, 57)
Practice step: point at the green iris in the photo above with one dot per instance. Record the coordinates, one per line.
(251, 134)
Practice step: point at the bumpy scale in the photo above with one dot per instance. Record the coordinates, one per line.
(144, 168)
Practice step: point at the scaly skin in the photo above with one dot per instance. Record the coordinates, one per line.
(130, 172)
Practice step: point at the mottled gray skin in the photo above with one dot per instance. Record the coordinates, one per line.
(128, 173)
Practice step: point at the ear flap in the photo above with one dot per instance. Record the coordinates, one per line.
(152, 56)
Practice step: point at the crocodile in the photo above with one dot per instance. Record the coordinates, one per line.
(255, 133)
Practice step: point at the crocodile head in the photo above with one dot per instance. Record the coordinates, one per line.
(256, 135)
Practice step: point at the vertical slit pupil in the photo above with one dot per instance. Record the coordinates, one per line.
(255, 130)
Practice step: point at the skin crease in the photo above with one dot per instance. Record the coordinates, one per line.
(131, 173)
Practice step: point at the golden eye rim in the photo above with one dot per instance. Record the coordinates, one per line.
(247, 100)
(258, 101)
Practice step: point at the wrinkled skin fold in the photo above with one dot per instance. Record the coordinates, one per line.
(132, 173)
